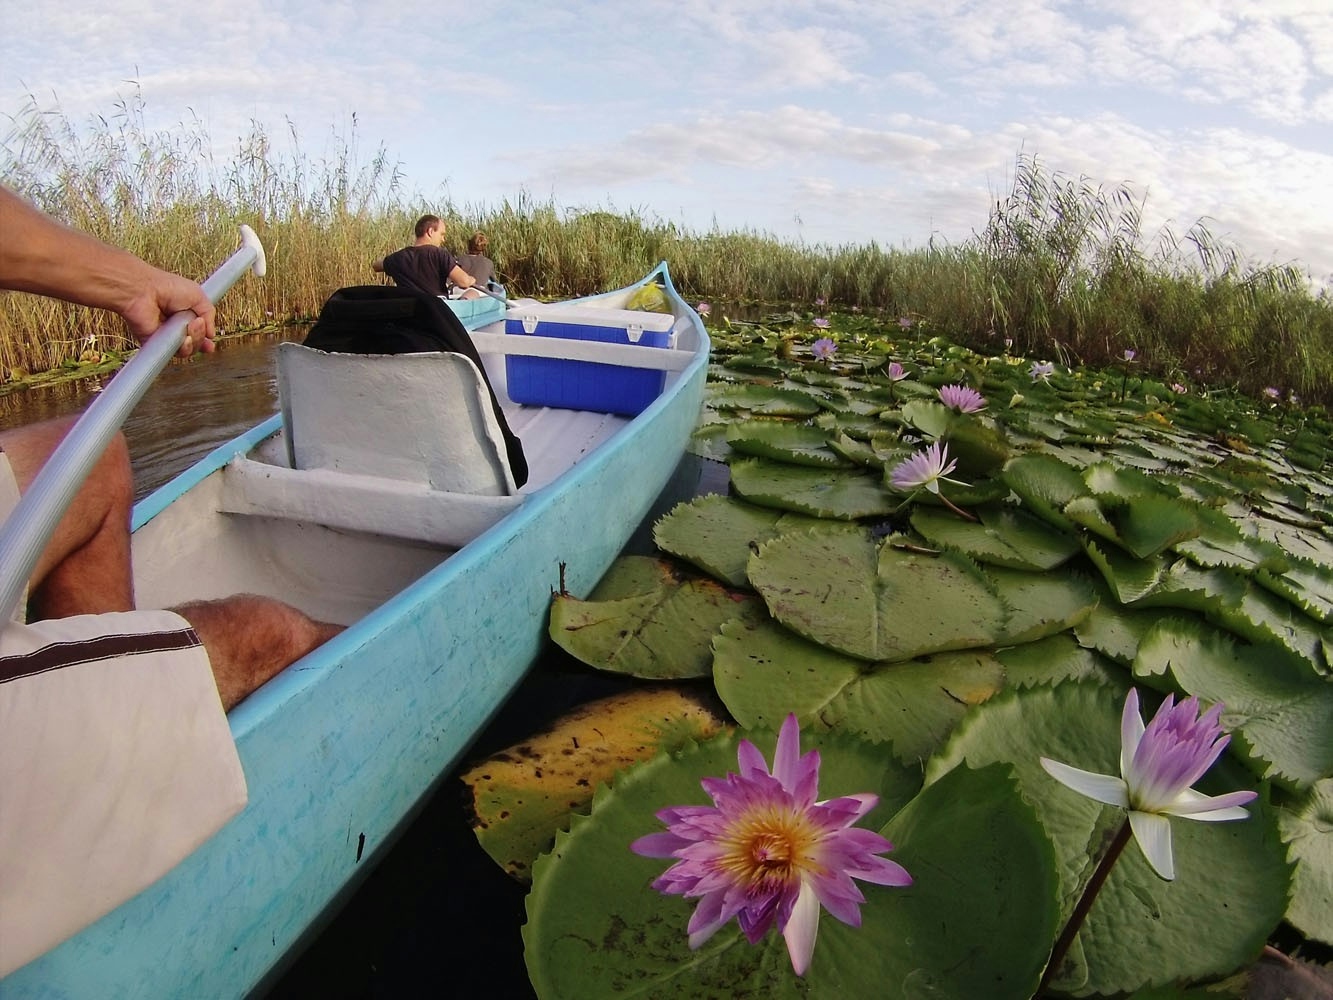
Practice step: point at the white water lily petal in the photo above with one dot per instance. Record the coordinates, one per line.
(1131, 732)
(1153, 833)
(801, 929)
(1212, 808)
(1102, 787)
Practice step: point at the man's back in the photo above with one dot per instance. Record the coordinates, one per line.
(423, 268)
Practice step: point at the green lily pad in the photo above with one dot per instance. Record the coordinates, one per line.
(799, 444)
(1005, 536)
(762, 671)
(763, 400)
(1053, 659)
(817, 492)
(871, 601)
(1279, 713)
(663, 634)
(1231, 878)
(718, 533)
(1308, 828)
(1041, 604)
(596, 930)
(1046, 485)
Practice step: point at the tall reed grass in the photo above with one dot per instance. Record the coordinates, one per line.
(1062, 267)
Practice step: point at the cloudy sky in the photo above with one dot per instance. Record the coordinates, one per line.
(828, 121)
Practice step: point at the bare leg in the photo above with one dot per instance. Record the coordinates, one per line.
(250, 639)
(85, 569)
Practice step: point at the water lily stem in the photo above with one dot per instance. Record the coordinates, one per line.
(956, 509)
(1090, 891)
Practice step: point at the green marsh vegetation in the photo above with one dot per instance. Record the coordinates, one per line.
(1085, 532)
(1062, 267)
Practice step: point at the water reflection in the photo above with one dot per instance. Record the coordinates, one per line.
(193, 406)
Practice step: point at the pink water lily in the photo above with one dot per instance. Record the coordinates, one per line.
(924, 470)
(962, 398)
(896, 372)
(1158, 764)
(703, 309)
(823, 348)
(768, 854)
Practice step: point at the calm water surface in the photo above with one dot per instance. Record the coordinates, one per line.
(435, 917)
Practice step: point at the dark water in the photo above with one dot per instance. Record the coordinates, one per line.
(435, 917)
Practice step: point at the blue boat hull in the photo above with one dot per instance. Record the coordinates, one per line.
(341, 748)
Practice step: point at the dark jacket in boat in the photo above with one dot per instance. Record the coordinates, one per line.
(378, 319)
(422, 268)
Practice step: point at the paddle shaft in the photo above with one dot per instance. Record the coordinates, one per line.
(29, 528)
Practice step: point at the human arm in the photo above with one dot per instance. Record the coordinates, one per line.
(39, 255)
(377, 265)
(461, 278)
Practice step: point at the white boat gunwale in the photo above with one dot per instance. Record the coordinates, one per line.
(436, 670)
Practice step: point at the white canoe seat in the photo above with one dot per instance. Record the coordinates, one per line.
(419, 418)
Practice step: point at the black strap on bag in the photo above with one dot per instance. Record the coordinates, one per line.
(381, 319)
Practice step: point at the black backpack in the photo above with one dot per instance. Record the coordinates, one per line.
(381, 319)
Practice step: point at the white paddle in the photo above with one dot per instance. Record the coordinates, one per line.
(28, 529)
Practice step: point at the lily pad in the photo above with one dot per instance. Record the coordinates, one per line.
(522, 795)
(662, 634)
(817, 492)
(1308, 828)
(762, 671)
(596, 930)
(1231, 878)
(1278, 712)
(799, 444)
(1053, 659)
(719, 533)
(872, 601)
(1005, 536)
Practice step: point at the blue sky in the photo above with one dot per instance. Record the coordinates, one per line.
(836, 122)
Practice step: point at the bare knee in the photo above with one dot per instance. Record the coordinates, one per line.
(251, 639)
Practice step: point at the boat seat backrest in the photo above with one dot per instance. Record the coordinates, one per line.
(421, 418)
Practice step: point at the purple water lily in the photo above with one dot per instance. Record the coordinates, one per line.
(821, 323)
(1158, 764)
(823, 348)
(703, 309)
(962, 398)
(924, 470)
(1041, 371)
(769, 855)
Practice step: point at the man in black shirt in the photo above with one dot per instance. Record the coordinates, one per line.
(426, 266)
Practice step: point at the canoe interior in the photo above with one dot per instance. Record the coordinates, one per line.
(341, 748)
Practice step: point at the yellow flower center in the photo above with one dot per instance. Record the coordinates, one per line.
(768, 849)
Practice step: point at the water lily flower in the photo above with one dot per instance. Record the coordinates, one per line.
(1130, 353)
(1008, 343)
(896, 372)
(925, 469)
(821, 323)
(703, 309)
(1176, 387)
(1158, 764)
(905, 322)
(1041, 371)
(768, 854)
(819, 301)
(1273, 392)
(962, 398)
(823, 348)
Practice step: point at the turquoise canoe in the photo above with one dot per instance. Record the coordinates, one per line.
(445, 589)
